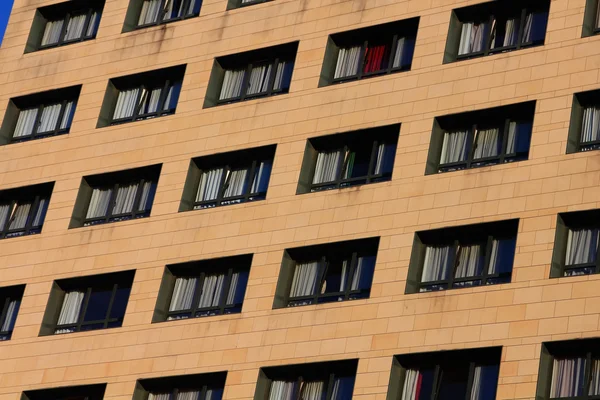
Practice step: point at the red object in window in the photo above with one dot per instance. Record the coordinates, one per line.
(374, 58)
(419, 382)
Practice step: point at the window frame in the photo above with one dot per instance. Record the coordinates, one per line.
(581, 101)
(160, 20)
(56, 131)
(13, 196)
(174, 384)
(79, 392)
(160, 107)
(8, 294)
(89, 11)
(6, 232)
(250, 3)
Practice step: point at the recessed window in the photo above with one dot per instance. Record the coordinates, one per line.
(252, 74)
(232, 4)
(570, 370)
(326, 273)
(85, 392)
(576, 244)
(446, 375)
(39, 115)
(349, 159)
(87, 303)
(64, 23)
(141, 96)
(372, 51)
(145, 13)
(207, 386)
(23, 210)
(496, 27)
(591, 18)
(203, 288)
(10, 302)
(584, 129)
(116, 196)
(481, 138)
(463, 256)
(228, 178)
(333, 380)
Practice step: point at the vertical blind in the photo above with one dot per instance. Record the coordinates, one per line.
(28, 123)
(568, 377)
(70, 310)
(235, 83)
(582, 246)
(141, 101)
(417, 385)
(154, 11)
(376, 58)
(14, 216)
(75, 30)
(590, 126)
(124, 202)
(8, 323)
(182, 395)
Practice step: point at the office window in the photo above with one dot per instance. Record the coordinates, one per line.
(463, 256)
(203, 288)
(496, 27)
(256, 73)
(23, 210)
(332, 380)
(64, 23)
(591, 18)
(372, 51)
(145, 13)
(39, 115)
(570, 370)
(87, 303)
(584, 129)
(326, 273)
(228, 178)
(10, 302)
(84, 392)
(116, 196)
(349, 159)
(446, 375)
(233, 4)
(141, 96)
(576, 244)
(480, 138)
(208, 386)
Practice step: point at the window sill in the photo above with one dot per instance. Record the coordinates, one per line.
(249, 4)
(380, 74)
(91, 332)
(138, 28)
(325, 189)
(30, 138)
(478, 55)
(58, 46)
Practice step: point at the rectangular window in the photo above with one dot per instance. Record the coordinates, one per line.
(591, 18)
(496, 27)
(116, 196)
(349, 159)
(481, 138)
(446, 375)
(233, 4)
(584, 129)
(256, 73)
(464, 256)
(371, 51)
(228, 178)
(64, 23)
(145, 13)
(84, 392)
(203, 288)
(570, 370)
(333, 380)
(10, 302)
(208, 386)
(87, 303)
(39, 115)
(23, 210)
(326, 273)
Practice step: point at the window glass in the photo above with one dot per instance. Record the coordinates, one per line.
(97, 306)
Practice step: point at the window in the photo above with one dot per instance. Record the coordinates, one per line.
(576, 244)
(349, 159)
(591, 18)
(228, 178)
(481, 138)
(142, 96)
(64, 23)
(570, 370)
(39, 115)
(333, 380)
(23, 210)
(10, 302)
(116, 196)
(232, 4)
(252, 74)
(326, 273)
(145, 13)
(446, 375)
(464, 256)
(87, 303)
(203, 288)
(207, 386)
(584, 129)
(495, 27)
(85, 392)
(371, 51)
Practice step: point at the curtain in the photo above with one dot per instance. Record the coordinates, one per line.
(436, 265)
(183, 294)
(52, 32)
(472, 38)
(375, 57)
(347, 62)
(399, 56)
(511, 33)
(261, 178)
(305, 279)
(210, 182)
(232, 84)
(192, 395)
(25, 122)
(454, 147)
(235, 183)
(211, 290)
(19, 217)
(49, 118)
(125, 198)
(311, 390)
(282, 390)
(326, 169)
(150, 12)
(99, 203)
(69, 313)
(567, 377)
(590, 126)
(469, 261)
(487, 143)
(581, 246)
(75, 27)
(94, 19)
(412, 385)
(11, 314)
(595, 378)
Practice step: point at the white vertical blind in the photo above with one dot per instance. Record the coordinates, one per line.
(472, 38)
(192, 395)
(411, 380)
(469, 261)
(94, 19)
(590, 126)
(235, 279)
(454, 147)
(527, 31)
(126, 103)
(347, 62)
(305, 279)
(232, 84)
(150, 11)
(595, 378)
(567, 377)
(326, 169)
(312, 390)
(183, 293)
(19, 215)
(399, 56)
(235, 183)
(5, 210)
(282, 390)
(581, 246)
(211, 290)
(69, 312)
(278, 82)
(159, 396)
(261, 177)
(25, 122)
(49, 118)
(52, 32)
(436, 265)
(210, 181)
(486, 143)
(99, 203)
(75, 27)
(13, 306)
(259, 79)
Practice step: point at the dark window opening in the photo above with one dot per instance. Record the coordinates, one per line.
(208, 386)
(584, 130)
(23, 210)
(155, 12)
(10, 302)
(84, 392)
(232, 4)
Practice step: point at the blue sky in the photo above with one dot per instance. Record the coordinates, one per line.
(5, 7)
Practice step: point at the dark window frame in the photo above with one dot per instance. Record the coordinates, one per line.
(581, 101)
(55, 132)
(161, 20)
(239, 3)
(79, 392)
(89, 11)
(33, 192)
(174, 384)
(8, 294)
